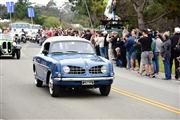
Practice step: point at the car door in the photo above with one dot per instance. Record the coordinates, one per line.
(37, 62)
(40, 67)
(44, 62)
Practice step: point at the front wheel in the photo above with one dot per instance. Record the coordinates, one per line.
(53, 89)
(105, 90)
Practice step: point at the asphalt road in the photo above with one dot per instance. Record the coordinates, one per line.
(131, 97)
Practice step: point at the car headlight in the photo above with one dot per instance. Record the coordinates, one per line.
(14, 43)
(104, 69)
(66, 69)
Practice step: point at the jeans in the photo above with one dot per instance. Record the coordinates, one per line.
(102, 51)
(128, 57)
(176, 65)
(167, 69)
(106, 51)
(119, 63)
(156, 62)
(113, 15)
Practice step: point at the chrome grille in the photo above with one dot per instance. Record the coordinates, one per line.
(76, 70)
(9, 47)
(4, 45)
(95, 70)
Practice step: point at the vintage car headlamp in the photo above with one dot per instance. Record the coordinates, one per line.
(66, 69)
(14, 43)
(104, 69)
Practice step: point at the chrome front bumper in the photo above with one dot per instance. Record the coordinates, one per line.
(84, 79)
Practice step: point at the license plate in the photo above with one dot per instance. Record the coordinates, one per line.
(87, 82)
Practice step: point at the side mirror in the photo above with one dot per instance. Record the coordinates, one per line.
(45, 52)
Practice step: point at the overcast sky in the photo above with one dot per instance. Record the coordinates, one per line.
(43, 2)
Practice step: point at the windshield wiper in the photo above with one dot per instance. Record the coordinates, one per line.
(71, 51)
(57, 52)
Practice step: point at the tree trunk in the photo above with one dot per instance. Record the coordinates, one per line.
(141, 23)
(139, 8)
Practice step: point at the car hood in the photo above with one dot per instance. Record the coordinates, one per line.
(79, 59)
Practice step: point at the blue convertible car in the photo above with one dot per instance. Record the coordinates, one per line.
(66, 61)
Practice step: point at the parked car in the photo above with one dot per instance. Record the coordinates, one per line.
(71, 62)
(9, 47)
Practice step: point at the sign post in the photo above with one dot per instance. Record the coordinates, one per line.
(10, 8)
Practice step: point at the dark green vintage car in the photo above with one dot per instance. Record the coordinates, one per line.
(8, 47)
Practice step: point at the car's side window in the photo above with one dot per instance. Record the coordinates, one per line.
(46, 46)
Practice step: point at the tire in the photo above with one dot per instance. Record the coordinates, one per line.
(105, 90)
(18, 54)
(53, 89)
(13, 54)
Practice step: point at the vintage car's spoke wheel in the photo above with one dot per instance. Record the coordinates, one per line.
(18, 54)
(104, 90)
(53, 89)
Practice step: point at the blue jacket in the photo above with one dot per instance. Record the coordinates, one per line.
(130, 44)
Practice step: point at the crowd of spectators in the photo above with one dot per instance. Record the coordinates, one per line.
(139, 50)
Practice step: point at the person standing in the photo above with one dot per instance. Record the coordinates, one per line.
(166, 54)
(114, 9)
(112, 39)
(158, 43)
(129, 44)
(147, 54)
(106, 44)
(174, 52)
(100, 42)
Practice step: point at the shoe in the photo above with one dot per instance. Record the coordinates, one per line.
(152, 76)
(176, 77)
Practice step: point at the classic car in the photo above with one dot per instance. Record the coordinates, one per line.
(71, 62)
(9, 47)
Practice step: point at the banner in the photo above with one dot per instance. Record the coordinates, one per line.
(31, 12)
(10, 7)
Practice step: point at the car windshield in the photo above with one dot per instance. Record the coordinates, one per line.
(5, 37)
(71, 47)
(36, 27)
(20, 26)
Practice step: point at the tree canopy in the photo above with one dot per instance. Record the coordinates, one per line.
(155, 14)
